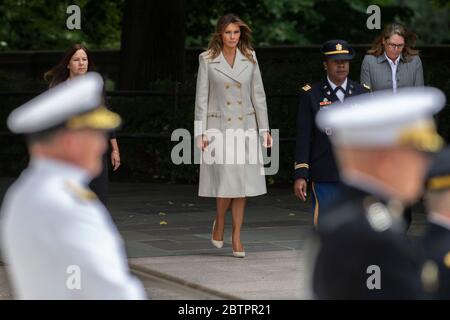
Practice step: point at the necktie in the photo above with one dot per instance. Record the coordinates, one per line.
(339, 88)
(340, 93)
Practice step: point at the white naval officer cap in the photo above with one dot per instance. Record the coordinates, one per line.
(74, 104)
(385, 119)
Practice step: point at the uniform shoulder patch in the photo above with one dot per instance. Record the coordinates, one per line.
(80, 192)
(306, 87)
(366, 86)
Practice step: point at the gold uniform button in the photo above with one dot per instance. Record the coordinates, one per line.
(447, 260)
(240, 118)
(238, 85)
(229, 119)
(239, 102)
(227, 86)
(228, 103)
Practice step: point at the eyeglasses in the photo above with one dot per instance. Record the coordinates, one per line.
(394, 46)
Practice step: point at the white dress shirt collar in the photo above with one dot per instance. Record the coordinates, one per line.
(339, 93)
(392, 62)
(368, 183)
(61, 168)
(394, 65)
(439, 219)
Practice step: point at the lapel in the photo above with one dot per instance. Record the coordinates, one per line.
(327, 91)
(381, 58)
(350, 90)
(240, 64)
(400, 63)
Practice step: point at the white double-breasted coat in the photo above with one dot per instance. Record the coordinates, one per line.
(231, 100)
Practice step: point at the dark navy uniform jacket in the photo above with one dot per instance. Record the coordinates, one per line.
(436, 244)
(314, 159)
(363, 231)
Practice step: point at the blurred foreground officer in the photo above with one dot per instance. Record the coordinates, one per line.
(382, 152)
(58, 239)
(314, 160)
(436, 241)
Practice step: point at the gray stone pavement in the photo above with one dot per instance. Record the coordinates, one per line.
(167, 228)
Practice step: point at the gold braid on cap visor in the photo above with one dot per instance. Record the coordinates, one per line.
(336, 52)
(422, 138)
(100, 118)
(438, 183)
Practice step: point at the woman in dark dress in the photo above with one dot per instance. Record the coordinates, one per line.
(75, 63)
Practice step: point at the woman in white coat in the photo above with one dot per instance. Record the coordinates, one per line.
(230, 98)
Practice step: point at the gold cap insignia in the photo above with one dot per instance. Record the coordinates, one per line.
(339, 47)
(99, 118)
(422, 137)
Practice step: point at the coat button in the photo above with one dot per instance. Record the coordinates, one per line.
(240, 118)
(228, 103)
(229, 119)
(238, 85)
(227, 86)
(239, 102)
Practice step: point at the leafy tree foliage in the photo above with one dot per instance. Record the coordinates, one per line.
(41, 24)
(295, 22)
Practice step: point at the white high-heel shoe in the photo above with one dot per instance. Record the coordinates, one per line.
(237, 254)
(216, 243)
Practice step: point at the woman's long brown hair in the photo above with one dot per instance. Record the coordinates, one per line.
(215, 43)
(60, 72)
(377, 48)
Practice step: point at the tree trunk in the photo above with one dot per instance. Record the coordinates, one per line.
(152, 43)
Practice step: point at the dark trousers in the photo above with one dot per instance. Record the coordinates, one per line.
(323, 194)
(100, 183)
(407, 214)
